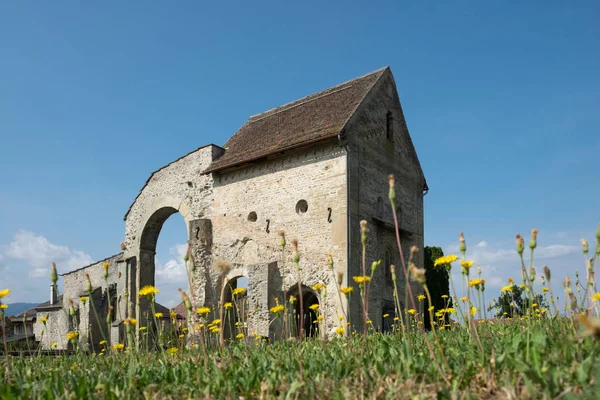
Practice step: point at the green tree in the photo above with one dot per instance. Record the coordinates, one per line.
(514, 303)
(438, 282)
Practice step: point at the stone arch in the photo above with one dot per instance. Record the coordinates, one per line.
(235, 319)
(309, 297)
(148, 239)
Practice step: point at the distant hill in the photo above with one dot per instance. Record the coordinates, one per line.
(17, 308)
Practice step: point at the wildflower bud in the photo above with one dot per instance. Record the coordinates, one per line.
(392, 193)
(567, 282)
(340, 277)
(186, 300)
(123, 247)
(88, 283)
(417, 274)
(598, 235)
(71, 308)
(479, 270)
(374, 266)
(413, 251)
(462, 246)
(105, 265)
(547, 273)
(533, 241)
(53, 274)
(109, 316)
(295, 254)
(119, 274)
(584, 244)
(330, 260)
(520, 244)
(282, 239)
(363, 232)
(532, 274)
(186, 256)
(393, 272)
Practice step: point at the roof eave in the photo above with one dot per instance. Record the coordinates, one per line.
(279, 151)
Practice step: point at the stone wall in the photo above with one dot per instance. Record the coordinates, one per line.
(250, 200)
(372, 156)
(177, 187)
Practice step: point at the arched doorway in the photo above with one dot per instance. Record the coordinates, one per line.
(235, 300)
(161, 262)
(310, 317)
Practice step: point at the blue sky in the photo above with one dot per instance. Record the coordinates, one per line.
(501, 101)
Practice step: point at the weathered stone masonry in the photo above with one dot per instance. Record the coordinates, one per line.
(313, 168)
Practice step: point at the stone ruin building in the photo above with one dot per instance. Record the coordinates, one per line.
(313, 168)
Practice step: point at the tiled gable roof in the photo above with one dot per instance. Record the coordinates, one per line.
(313, 118)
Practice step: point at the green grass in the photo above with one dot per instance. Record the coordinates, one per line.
(387, 366)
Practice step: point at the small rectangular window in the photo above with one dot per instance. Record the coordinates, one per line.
(389, 129)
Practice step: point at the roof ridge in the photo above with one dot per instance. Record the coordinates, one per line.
(313, 96)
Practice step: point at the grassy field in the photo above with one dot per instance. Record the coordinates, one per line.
(383, 366)
(534, 350)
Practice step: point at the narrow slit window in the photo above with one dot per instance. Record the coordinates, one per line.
(389, 129)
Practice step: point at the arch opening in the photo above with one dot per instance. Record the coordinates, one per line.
(163, 244)
(235, 316)
(309, 319)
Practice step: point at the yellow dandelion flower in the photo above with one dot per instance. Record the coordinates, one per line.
(596, 297)
(340, 330)
(318, 286)
(4, 293)
(102, 342)
(143, 328)
(83, 299)
(544, 289)
(421, 297)
(341, 317)
(72, 335)
(173, 314)
(3, 306)
(444, 296)
(216, 321)
(511, 281)
(181, 336)
(199, 326)
(466, 264)
(320, 318)
(292, 299)
(449, 259)
(412, 311)
(386, 315)
(54, 345)
(464, 299)
(158, 315)
(506, 289)
(346, 290)
(361, 279)
(238, 291)
(430, 308)
(314, 307)
(228, 305)
(203, 310)
(148, 290)
(172, 350)
(118, 346)
(239, 336)
(276, 309)
(43, 320)
(396, 319)
(473, 311)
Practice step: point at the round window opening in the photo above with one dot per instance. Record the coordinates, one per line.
(252, 217)
(301, 207)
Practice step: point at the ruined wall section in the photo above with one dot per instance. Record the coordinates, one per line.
(245, 199)
(371, 157)
(179, 185)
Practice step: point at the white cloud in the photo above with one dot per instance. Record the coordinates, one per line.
(38, 252)
(483, 243)
(173, 270)
(39, 272)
